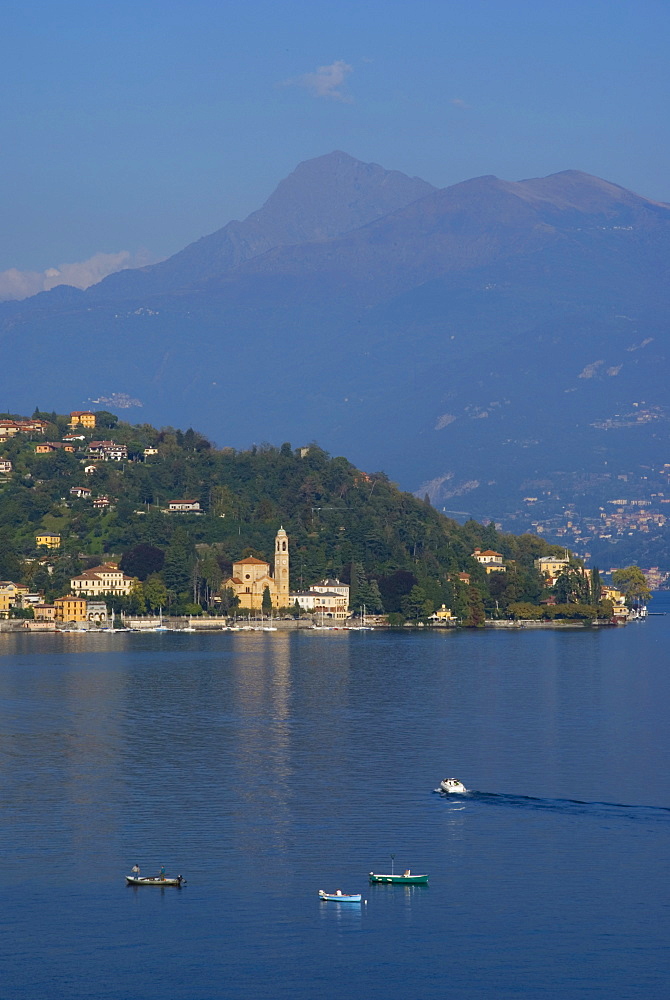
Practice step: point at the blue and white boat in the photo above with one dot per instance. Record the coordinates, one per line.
(339, 897)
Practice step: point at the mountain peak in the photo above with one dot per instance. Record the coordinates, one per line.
(335, 193)
(322, 198)
(584, 192)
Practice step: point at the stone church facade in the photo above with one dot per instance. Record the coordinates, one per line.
(251, 576)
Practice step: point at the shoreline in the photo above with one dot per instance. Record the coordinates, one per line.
(209, 627)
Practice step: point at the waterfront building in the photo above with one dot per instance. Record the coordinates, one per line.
(96, 612)
(320, 602)
(44, 612)
(333, 586)
(251, 576)
(104, 579)
(443, 614)
(8, 596)
(70, 609)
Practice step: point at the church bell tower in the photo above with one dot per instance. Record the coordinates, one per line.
(281, 569)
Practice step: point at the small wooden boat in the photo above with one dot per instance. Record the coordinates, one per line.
(155, 880)
(406, 879)
(339, 896)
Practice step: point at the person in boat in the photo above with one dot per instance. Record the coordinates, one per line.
(407, 873)
(338, 892)
(161, 873)
(136, 871)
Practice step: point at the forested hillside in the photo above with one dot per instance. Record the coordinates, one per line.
(398, 553)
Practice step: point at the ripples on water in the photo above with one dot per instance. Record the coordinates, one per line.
(265, 767)
(616, 810)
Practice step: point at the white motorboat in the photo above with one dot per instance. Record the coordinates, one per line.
(452, 786)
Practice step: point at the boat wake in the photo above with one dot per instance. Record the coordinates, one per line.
(617, 810)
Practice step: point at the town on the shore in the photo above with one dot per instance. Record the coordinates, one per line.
(107, 594)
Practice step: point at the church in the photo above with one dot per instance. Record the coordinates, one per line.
(251, 576)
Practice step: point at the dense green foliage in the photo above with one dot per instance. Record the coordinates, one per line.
(398, 553)
(631, 582)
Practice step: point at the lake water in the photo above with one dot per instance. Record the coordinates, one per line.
(265, 766)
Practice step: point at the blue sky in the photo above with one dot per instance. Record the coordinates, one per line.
(136, 127)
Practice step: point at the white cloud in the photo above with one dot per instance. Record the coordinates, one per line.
(15, 284)
(326, 81)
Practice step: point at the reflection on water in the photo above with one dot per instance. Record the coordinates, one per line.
(345, 916)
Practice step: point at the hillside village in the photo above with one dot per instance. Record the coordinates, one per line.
(99, 518)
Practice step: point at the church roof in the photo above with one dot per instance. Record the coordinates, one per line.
(250, 561)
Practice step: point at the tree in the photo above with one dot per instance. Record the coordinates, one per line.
(476, 616)
(178, 563)
(103, 418)
(571, 587)
(489, 536)
(22, 613)
(416, 605)
(526, 611)
(394, 587)
(142, 560)
(596, 586)
(266, 606)
(356, 578)
(368, 596)
(210, 571)
(155, 592)
(137, 604)
(632, 584)
(10, 568)
(229, 600)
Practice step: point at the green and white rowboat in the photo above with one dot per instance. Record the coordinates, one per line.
(406, 879)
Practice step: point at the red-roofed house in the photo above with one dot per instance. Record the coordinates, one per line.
(104, 579)
(490, 560)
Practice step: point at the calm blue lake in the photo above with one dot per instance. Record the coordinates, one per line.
(265, 766)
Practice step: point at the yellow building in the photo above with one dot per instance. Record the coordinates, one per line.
(83, 417)
(48, 540)
(552, 566)
(70, 609)
(617, 598)
(444, 614)
(251, 576)
(490, 560)
(8, 596)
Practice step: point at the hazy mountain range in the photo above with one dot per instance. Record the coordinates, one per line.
(477, 342)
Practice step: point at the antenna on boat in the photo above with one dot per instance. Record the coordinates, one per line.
(392, 864)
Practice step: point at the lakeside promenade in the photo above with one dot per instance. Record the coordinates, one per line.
(222, 624)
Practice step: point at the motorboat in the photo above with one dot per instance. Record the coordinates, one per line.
(452, 786)
(160, 880)
(339, 897)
